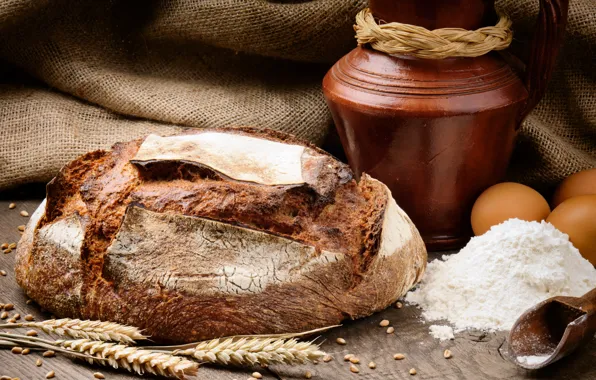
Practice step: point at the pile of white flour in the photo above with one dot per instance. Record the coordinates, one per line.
(500, 274)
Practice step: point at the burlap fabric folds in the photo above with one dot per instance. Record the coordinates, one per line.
(78, 75)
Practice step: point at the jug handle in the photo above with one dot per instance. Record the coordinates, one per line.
(548, 36)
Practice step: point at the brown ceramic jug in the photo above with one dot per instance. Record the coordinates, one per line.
(438, 132)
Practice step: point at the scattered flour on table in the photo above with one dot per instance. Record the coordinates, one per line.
(533, 359)
(441, 332)
(500, 274)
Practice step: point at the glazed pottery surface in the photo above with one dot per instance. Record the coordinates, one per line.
(438, 132)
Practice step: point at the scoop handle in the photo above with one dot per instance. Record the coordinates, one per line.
(588, 301)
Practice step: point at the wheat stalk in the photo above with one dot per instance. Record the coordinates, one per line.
(251, 351)
(11, 340)
(160, 360)
(132, 358)
(94, 330)
(236, 337)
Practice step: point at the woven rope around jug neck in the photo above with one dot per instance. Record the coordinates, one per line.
(398, 38)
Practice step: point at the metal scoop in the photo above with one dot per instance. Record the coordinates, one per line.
(552, 330)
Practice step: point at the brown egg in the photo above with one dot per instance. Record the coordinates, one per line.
(580, 183)
(577, 218)
(505, 201)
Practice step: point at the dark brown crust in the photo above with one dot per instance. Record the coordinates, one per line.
(332, 212)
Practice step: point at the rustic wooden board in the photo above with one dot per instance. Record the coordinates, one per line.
(475, 355)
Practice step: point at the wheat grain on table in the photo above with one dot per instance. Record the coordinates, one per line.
(473, 355)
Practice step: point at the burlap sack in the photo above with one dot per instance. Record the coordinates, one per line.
(106, 71)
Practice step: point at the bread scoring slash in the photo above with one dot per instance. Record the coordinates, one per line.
(216, 233)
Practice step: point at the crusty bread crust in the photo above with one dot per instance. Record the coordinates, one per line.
(188, 252)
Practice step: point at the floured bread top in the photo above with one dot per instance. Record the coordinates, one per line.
(239, 209)
(227, 258)
(240, 157)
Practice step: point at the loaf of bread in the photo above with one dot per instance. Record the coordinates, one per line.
(216, 233)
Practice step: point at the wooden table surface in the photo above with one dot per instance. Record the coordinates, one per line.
(475, 355)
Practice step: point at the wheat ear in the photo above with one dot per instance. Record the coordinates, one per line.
(94, 330)
(132, 358)
(247, 351)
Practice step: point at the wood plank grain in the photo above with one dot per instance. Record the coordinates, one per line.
(475, 355)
